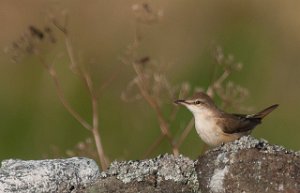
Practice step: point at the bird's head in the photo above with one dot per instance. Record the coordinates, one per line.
(198, 103)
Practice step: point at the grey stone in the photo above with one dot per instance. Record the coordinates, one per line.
(245, 165)
(249, 165)
(53, 175)
(164, 173)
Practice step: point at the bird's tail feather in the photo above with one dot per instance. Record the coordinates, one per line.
(265, 112)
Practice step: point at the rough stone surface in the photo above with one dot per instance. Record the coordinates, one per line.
(56, 175)
(162, 174)
(245, 165)
(249, 165)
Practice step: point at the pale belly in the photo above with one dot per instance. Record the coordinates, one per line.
(211, 133)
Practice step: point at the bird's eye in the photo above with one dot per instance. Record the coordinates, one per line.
(197, 102)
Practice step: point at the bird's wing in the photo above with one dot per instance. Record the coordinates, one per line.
(237, 123)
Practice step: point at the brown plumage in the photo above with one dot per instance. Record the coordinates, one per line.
(236, 123)
(215, 126)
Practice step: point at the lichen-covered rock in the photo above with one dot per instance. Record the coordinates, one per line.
(162, 174)
(53, 175)
(246, 165)
(249, 165)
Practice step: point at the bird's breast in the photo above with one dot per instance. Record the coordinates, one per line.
(209, 131)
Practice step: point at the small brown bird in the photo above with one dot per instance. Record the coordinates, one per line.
(215, 126)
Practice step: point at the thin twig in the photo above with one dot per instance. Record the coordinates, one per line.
(173, 113)
(218, 83)
(95, 129)
(185, 132)
(62, 98)
(152, 102)
(154, 146)
(110, 78)
(89, 84)
(60, 27)
(68, 45)
(144, 91)
(70, 52)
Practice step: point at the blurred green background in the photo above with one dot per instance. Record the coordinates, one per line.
(263, 35)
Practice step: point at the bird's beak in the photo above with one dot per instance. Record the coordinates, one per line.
(180, 102)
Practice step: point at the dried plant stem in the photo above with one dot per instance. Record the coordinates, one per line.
(95, 129)
(217, 83)
(143, 88)
(173, 113)
(185, 132)
(62, 98)
(94, 99)
(89, 84)
(112, 77)
(70, 52)
(153, 103)
(154, 146)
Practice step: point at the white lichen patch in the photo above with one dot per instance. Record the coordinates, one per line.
(280, 187)
(54, 175)
(167, 167)
(216, 183)
(248, 142)
(222, 158)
